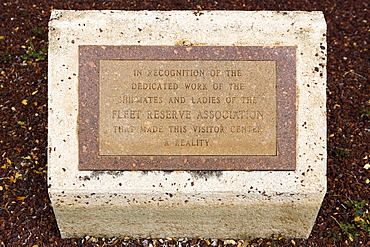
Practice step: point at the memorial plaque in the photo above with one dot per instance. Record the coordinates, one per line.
(197, 108)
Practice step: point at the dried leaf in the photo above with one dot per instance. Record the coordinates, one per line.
(94, 240)
(358, 218)
(12, 179)
(229, 241)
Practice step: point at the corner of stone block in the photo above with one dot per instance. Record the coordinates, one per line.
(56, 14)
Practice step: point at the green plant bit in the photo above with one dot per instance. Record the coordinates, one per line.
(365, 111)
(7, 56)
(38, 30)
(33, 54)
(360, 225)
(341, 152)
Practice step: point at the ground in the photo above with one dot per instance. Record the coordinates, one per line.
(26, 217)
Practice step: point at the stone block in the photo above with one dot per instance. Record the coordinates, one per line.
(101, 187)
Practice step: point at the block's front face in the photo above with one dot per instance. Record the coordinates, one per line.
(233, 107)
(227, 131)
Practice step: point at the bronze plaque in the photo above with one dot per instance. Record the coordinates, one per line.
(187, 108)
(167, 107)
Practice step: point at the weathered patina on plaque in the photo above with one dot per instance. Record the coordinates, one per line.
(167, 107)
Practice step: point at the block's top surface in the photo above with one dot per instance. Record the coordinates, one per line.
(189, 27)
(69, 30)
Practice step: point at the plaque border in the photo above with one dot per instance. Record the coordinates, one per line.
(88, 132)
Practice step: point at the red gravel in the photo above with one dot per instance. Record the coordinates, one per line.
(26, 217)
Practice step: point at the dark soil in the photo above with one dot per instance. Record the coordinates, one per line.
(26, 217)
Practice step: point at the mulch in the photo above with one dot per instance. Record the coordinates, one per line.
(26, 217)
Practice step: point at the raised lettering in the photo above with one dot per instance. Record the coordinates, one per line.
(187, 107)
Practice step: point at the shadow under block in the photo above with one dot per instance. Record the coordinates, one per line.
(238, 153)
